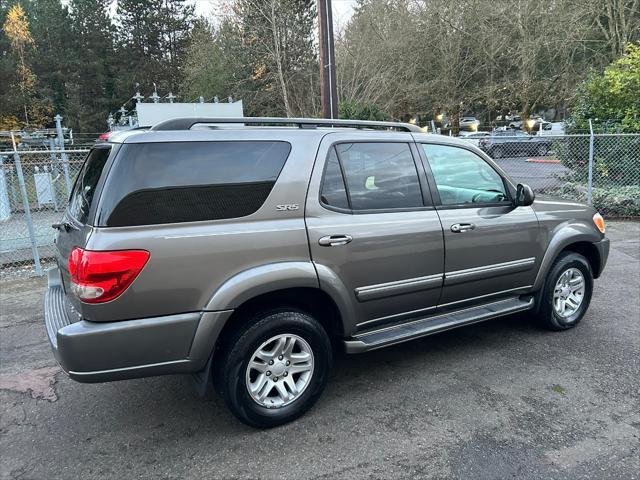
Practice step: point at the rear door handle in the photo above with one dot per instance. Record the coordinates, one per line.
(462, 227)
(334, 240)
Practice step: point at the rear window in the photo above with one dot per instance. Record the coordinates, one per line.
(155, 183)
(85, 187)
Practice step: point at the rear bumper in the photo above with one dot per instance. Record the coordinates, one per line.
(106, 351)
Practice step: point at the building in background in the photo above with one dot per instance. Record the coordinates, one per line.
(146, 114)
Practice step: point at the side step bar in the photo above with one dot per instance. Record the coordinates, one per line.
(435, 324)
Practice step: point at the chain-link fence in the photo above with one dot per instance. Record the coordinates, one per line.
(34, 188)
(601, 169)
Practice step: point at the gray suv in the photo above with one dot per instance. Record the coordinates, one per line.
(247, 251)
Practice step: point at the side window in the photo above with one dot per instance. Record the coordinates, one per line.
(155, 183)
(334, 193)
(380, 175)
(463, 177)
(85, 187)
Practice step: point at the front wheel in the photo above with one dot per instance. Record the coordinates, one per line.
(567, 292)
(276, 368)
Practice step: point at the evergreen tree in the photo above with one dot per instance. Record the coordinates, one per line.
(152, 35)
(176, 18)
(92, 91)
(53, 57)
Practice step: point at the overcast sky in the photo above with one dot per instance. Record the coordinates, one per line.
(342, 9)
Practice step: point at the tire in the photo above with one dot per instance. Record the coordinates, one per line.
(234, 376)
(497, 152)
(548, 316)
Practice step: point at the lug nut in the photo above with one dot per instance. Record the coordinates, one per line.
(268, 373)
(288, 363)
(285, 374)
(275, 379)
(280, 357)
(270, 362)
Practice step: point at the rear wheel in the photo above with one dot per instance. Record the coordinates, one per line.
(276, 368)
(567, 292)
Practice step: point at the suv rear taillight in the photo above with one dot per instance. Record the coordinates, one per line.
(98, 277)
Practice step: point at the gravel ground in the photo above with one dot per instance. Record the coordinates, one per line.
(496, 400)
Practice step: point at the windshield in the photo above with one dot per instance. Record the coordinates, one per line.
(86, 183)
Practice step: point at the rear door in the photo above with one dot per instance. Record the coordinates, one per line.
(373, 232)
(492, 248)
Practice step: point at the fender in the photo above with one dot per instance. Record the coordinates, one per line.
(279, 276)
(331, 284)
(563, 235)
(260, 280)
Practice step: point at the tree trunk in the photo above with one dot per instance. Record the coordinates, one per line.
(278, 58)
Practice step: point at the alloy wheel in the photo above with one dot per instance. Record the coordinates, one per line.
(279, 370)
(568, 293)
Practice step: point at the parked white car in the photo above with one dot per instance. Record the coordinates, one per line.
(474, 137)
(550, 128)
(469, 123)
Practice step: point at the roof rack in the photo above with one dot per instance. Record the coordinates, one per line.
(186, 123)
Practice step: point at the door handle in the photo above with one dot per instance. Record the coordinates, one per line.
(462, 227)
(334, 240)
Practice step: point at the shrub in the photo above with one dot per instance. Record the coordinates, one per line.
(612, 201)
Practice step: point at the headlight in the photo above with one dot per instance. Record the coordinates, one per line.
(599, 222)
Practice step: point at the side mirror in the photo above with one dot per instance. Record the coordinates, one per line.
(524, 195)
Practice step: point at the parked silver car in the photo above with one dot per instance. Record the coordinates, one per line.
(247, 255)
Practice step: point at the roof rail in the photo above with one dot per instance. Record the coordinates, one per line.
(186, 123)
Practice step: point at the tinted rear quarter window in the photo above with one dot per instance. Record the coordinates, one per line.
(156, 183)
(334, 193)
(84, 189)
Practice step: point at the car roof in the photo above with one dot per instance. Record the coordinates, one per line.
(210, 128)
(179, 130)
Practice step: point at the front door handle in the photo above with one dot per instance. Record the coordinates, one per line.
(462, 227)
(334, 240)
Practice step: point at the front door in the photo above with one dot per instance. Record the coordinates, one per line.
(492, 248)
(372, 228)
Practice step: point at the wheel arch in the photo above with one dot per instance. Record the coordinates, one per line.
(587, 250)
(310, 300)
(292, 284)
(577, 237)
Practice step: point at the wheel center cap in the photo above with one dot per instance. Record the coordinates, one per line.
(566, 291)
(278, 368)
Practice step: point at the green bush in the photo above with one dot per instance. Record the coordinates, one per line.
(612, 201)
(610, 100)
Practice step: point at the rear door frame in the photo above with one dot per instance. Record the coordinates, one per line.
(329, 280)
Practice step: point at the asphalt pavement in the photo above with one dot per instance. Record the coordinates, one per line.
(497, 400)
(538, 175)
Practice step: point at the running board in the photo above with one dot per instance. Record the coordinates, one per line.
(435, 324)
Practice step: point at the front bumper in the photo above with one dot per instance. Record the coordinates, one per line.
(105, 351)
(603, 253)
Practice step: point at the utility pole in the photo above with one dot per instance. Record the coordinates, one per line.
(328, 91)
